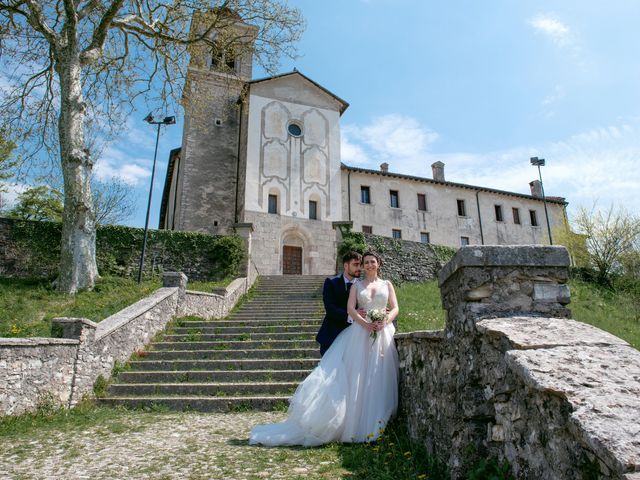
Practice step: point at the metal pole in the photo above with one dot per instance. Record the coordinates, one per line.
(544, 200)
(146, 222)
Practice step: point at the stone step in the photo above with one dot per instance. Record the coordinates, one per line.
(282, 314)
(226, 364)
(240, 322)
(203, 376)
(279, 310)
(241, 333)
(231, 354)
(225, 345)
(202, 404)
(216, 389)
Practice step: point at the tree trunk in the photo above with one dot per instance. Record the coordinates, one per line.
(78, 268)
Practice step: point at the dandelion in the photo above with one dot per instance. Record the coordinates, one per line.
(407, 454)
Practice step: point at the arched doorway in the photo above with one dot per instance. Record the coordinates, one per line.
(293, 247)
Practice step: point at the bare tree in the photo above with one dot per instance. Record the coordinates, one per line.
(76, 66)
(113, 201)
(611, 237)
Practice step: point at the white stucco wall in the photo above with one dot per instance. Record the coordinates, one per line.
(441, 219)
(298, 169)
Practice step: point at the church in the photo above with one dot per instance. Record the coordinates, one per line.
(261, 158)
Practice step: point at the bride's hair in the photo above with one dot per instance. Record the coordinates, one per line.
(373, 254)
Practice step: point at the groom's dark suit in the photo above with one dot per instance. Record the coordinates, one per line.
(334, 296)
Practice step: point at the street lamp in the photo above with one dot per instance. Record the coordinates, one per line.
(539, 162)
(166, 121)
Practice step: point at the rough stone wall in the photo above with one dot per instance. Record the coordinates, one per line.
(553, 397)
(34, 371)
(66, 369)
(216, 304)
(404, 261)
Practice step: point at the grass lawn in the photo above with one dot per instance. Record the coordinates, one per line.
(209, 286)
(616, 313)
(27, 306)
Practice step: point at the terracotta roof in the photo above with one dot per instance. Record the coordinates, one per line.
(343, 105)
(560, 200)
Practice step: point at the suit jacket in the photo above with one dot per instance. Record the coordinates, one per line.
(334, 296)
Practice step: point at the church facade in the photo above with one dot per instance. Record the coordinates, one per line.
(262, 158)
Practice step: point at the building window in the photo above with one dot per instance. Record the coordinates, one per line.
(394, 200)
(397, 234)
(498, 209)
(534, 218)
(313, 210)
(273, 203)
(367, 229)
(516, 216)
(464, 241)
(422, 202)
(462, 209)
(294, 129)
(424, 237)
(365, 195)
(223, 58)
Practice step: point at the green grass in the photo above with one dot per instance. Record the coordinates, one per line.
(27, 306)
(616, 313)
(420, 307)
(209, 286)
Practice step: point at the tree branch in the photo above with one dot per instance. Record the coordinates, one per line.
(93, 51)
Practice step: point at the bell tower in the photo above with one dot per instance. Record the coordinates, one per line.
(209, 161)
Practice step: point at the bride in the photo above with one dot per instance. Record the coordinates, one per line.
(352, 393)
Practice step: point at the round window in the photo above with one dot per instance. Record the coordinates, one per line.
(295, 129)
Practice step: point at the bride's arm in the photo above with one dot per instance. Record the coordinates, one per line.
(393, 304)
(355, 314)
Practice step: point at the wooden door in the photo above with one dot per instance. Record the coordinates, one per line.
(291, 260)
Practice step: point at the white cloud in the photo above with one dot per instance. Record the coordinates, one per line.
(553, 28)
(396, 139)
(9, 194)
(114, 163)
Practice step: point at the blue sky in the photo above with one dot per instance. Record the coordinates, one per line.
(481, 86)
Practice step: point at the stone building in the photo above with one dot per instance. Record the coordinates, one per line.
(262, 158)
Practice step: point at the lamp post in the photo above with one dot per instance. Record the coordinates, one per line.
(166, 121)
(539, 162)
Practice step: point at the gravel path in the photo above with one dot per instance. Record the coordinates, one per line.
(161, 446)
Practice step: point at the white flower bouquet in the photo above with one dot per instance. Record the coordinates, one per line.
(376, 315)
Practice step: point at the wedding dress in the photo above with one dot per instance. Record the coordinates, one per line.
(351, 394)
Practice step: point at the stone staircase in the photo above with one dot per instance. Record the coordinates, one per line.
(253, 359)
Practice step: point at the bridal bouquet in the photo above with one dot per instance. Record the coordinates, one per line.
(376, 315)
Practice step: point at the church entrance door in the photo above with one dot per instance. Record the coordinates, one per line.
(291, 260)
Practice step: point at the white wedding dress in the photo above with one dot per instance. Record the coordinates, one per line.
(351, 394)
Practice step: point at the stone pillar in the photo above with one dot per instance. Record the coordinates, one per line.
(176, 279)
(501, 281)
(244, 230)
(87, 359)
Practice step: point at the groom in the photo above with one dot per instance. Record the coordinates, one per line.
(335, 294)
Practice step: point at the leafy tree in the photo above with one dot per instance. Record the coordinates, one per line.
(612, 237)
(76, 65)
(40, 203)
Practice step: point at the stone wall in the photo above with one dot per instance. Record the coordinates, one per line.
(218, 303)
(32, 249)
(513, 377)
(404, 261)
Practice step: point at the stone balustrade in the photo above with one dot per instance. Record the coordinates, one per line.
(513, 377)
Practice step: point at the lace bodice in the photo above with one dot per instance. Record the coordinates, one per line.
(376, 297)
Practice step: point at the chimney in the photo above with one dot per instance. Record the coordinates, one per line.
(384, 167)
(438, 171)
(536, 188)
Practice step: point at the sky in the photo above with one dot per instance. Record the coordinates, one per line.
(480, 86)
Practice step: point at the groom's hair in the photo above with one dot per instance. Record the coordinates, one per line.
(351, 255)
